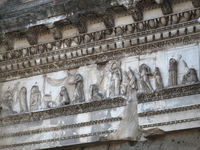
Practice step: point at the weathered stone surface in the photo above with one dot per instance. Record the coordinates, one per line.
(99, 75)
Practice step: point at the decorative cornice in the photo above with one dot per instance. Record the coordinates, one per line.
(170, 122)
(101, 57)
(59, 139)
(45, 61)
(171, 92)
(141, 28)
(63, 111)
(77, 125)
(167, 111)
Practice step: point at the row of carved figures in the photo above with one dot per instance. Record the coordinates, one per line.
(117, 87)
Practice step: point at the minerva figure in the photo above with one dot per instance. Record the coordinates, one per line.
(116, 78)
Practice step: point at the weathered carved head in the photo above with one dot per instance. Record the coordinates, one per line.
(172, 62)
(63, 91)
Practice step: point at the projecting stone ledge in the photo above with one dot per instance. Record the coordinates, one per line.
(170, 109)
(105, 120)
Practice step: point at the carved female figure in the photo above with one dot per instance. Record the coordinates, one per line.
(23, 100)
(158, 79)
(78, 92)
(172, 80)
(125, 84)
(133, 80)
(64, 98)
(35, 98)
(144, 77)
(116, 77)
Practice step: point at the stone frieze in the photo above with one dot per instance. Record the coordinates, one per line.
(63, 111)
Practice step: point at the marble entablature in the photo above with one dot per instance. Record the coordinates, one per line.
(123, 82)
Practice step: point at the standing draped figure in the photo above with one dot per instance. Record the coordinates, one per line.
(35, 98)
(23, 100)
(116, 78)
(78, 91)
(172, 80)
(145, 72)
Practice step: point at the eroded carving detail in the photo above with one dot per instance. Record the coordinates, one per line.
(166, 7)
(48, 102)
(79, 95)
(196, 3)
(144, 73)
(191, 76)
(116, 78)
(137, 15)
(133, 80)
(109, 19)
(7, 41)
(35, 98)
(6, 104)
(82, 28)
(158, 79)
(64, 98)
(23, 100)
(172, 80)
(55, 31)
(32, 38)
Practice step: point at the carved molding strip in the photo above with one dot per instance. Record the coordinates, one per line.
(166, 111)
(170, 122)
(63, 111)
(59, 139)
(101, 57)
(140, 29)
(166, 93)
(82, 124)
